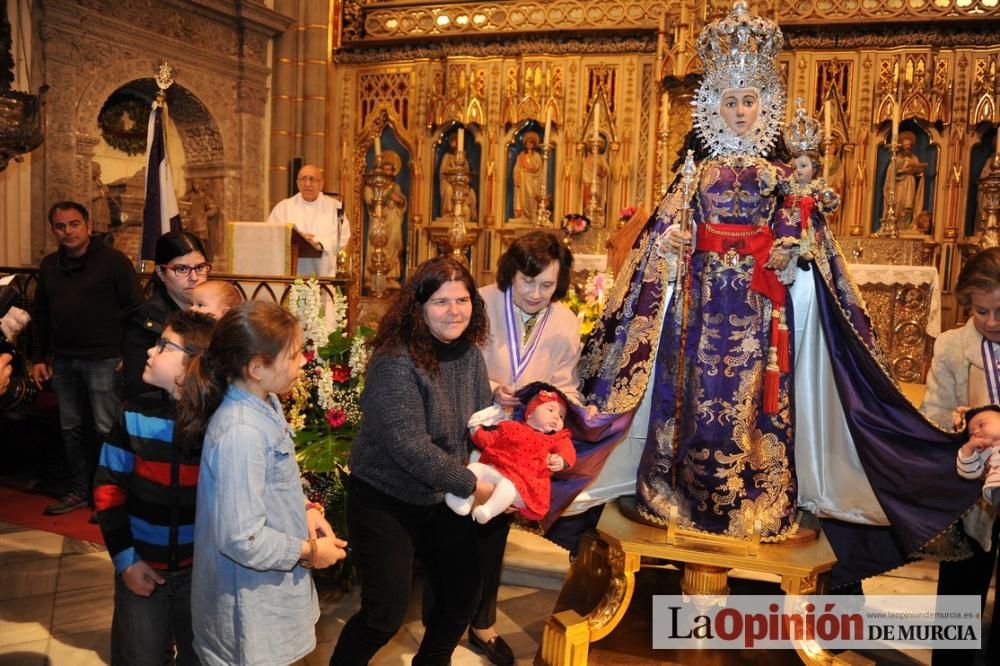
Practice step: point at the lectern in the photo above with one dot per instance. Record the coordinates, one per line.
(263, 248)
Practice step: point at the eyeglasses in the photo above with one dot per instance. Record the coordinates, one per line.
(162, 344)
(183, 270)
(61, 227)
(309, 179)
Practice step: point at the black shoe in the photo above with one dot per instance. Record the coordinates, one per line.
(495, 649)
(70, 502)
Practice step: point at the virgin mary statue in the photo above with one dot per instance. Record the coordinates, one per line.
(752, 373)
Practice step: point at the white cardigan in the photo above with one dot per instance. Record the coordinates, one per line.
(948, 379)
(556, 355)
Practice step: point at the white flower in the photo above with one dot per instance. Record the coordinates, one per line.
(305, 301)
(358, 359)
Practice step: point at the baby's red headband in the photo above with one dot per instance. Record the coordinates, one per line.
(540, 398)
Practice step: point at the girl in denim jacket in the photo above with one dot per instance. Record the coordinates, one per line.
(256, 537)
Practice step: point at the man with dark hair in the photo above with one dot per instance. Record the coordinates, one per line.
(83, 288)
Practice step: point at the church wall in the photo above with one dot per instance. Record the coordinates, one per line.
(87, 49)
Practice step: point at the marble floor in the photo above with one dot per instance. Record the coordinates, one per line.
(56, 598)
(56, 601)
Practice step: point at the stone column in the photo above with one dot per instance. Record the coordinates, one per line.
(298, 97)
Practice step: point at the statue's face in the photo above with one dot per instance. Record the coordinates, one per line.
(803, 169)
(739, 109)
(530, 142)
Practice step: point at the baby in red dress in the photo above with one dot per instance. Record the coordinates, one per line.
(519, 457)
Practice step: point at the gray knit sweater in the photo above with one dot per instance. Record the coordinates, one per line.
(412, 440)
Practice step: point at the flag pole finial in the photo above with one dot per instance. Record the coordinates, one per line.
(164, 78)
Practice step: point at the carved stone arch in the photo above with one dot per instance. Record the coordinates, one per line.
(197, 91)
(195, 107)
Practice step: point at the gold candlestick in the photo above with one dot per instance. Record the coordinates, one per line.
(543, 215)
(594, 208)
(378, 238)
(458, 177)
(888, 229)
(663, 137)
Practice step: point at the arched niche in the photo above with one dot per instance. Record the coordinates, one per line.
(444, 153)
(194, 145)
(917, 164)
(979, 157)
(524, 160)
(396, 164)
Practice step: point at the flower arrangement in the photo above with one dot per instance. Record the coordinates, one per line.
(587, 303)
(625, 214)
(323, 406)
(574, 224)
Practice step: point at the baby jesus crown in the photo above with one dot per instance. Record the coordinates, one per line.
(803, 133)
(740, 50)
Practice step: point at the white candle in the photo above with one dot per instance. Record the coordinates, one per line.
(548, 125)
(664, 112)
(895, 122)
(597, 122)
(827, 129)
(461, 140)
(378, 146)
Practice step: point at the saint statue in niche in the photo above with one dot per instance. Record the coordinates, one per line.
(203, 212)
(907, 183)
(596, 170)
(394, 205)
(104, 210)
(449, 162)
(528, 177)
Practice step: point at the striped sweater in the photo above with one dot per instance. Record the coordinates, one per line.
(984, 461)
(145, 490)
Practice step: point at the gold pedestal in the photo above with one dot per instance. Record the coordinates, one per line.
(803, 568)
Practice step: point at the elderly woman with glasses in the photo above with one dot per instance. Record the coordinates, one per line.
(181, 265)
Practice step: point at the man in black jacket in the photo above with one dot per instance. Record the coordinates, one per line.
(83, 288)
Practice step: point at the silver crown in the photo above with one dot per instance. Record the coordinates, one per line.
(739, 51)
(803, 133)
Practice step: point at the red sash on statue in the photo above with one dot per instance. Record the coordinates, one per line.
(805, 205)
(742, 240)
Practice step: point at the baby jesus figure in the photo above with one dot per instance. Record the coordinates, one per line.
(519, 457)
(809, 199)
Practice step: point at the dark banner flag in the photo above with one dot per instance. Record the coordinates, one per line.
(160, 213)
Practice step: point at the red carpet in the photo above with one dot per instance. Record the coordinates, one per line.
(23, 507)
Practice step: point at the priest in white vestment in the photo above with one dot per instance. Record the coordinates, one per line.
(316, 216)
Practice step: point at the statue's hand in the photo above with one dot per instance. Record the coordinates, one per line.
(675, 240)
(778, 260)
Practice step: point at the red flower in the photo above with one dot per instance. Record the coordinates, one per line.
(309, 355)
(340, 374)
(336, 418)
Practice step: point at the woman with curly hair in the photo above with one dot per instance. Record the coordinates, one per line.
(425, 379)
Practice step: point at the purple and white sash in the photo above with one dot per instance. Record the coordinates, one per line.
(520, 357)
(991, 368)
